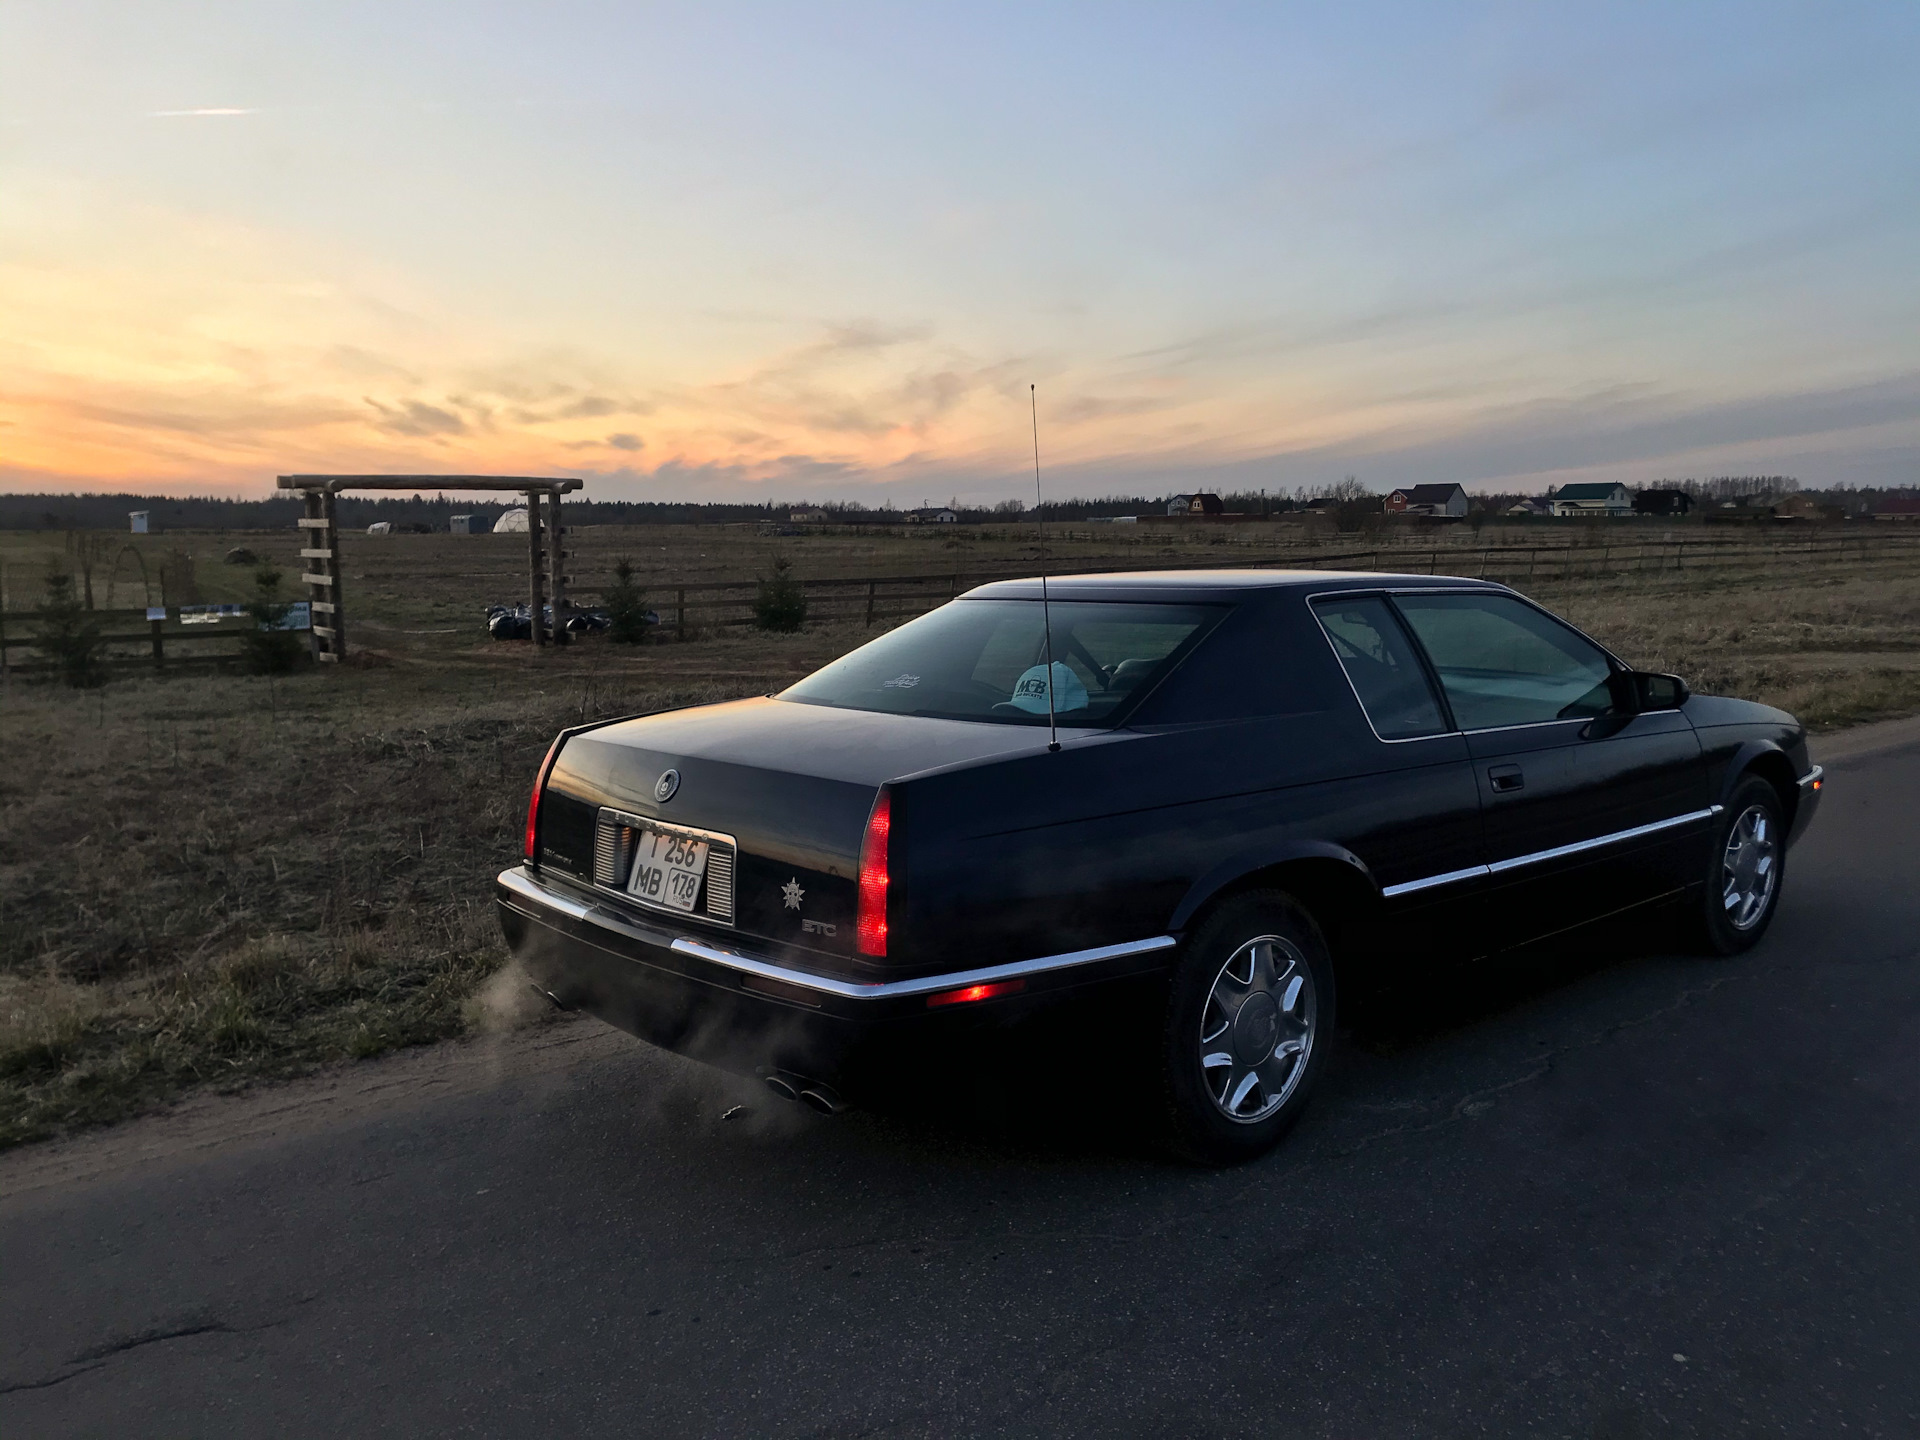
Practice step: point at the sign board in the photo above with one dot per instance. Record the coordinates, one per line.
(298, 616)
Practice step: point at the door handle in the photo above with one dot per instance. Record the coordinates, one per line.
(1506, 778)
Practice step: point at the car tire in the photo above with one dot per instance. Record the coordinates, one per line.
(1746, 870)
(1249, 1021)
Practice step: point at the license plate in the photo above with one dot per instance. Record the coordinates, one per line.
(667, 869)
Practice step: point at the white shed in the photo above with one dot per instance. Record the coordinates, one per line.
(137, 519)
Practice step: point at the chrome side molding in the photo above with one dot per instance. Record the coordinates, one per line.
(1501, 867)
(1472, 872)
(1691, 817)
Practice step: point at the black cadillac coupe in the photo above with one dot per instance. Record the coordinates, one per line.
(1226, 791)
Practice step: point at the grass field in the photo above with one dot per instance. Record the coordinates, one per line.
(209, 878)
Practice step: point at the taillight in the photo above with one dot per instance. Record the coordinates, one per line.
(870, 926)
(531, 848)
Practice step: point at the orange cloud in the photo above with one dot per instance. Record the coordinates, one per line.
(143, 347)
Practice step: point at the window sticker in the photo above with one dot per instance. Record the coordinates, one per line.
(1030, 690)
(900, 682)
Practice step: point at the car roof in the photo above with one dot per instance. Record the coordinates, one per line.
(1204, 585)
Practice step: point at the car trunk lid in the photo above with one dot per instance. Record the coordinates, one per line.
(781, 791)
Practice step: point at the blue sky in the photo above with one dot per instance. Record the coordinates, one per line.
(766, 251)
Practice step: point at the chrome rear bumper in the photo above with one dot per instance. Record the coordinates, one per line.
(721, 1003)
(518, 885)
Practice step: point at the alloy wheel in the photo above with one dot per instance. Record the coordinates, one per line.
(1257, 1030)
(1749, 867)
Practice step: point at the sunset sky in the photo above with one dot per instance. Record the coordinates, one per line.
(779, 251)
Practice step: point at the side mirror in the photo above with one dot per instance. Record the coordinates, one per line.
(1650, 691)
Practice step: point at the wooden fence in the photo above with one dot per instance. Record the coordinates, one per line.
(134, 641)
(137, 641)
(697, 605)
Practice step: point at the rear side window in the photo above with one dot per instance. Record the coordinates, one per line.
(1504, 663)
(1379, 660)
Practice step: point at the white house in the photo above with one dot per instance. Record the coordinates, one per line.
(1596, 497)
(932, 515)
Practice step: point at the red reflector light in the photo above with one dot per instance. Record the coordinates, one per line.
(870, 925)
(976, 992)
(1818, 783)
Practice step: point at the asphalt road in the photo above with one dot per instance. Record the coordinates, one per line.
(1605, 1192)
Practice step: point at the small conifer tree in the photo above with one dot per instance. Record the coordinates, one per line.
(69, 635)
(626, 606)
(268, 649)
(780, 603)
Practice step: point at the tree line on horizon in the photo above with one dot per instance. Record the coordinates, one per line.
(109, 511)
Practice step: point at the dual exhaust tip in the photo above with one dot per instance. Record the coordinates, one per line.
(814, 1094)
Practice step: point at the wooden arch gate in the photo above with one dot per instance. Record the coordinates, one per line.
(326, 581)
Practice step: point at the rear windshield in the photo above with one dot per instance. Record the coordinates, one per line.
(986, 660)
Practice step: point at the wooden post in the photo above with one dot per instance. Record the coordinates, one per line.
(870, 585)
(320, 558)
(681, 621)
(536, 570)
(308, 524)
(159, 649)
(557, 566)
(330, 509)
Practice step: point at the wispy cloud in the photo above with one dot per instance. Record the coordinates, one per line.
(416, 418)
(1080, 409)
(208, 111)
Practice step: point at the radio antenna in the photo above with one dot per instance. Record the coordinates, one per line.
(1046, 611)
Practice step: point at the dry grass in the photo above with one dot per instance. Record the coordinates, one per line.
(1836, 645)
(209, 880)
(216, 879)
